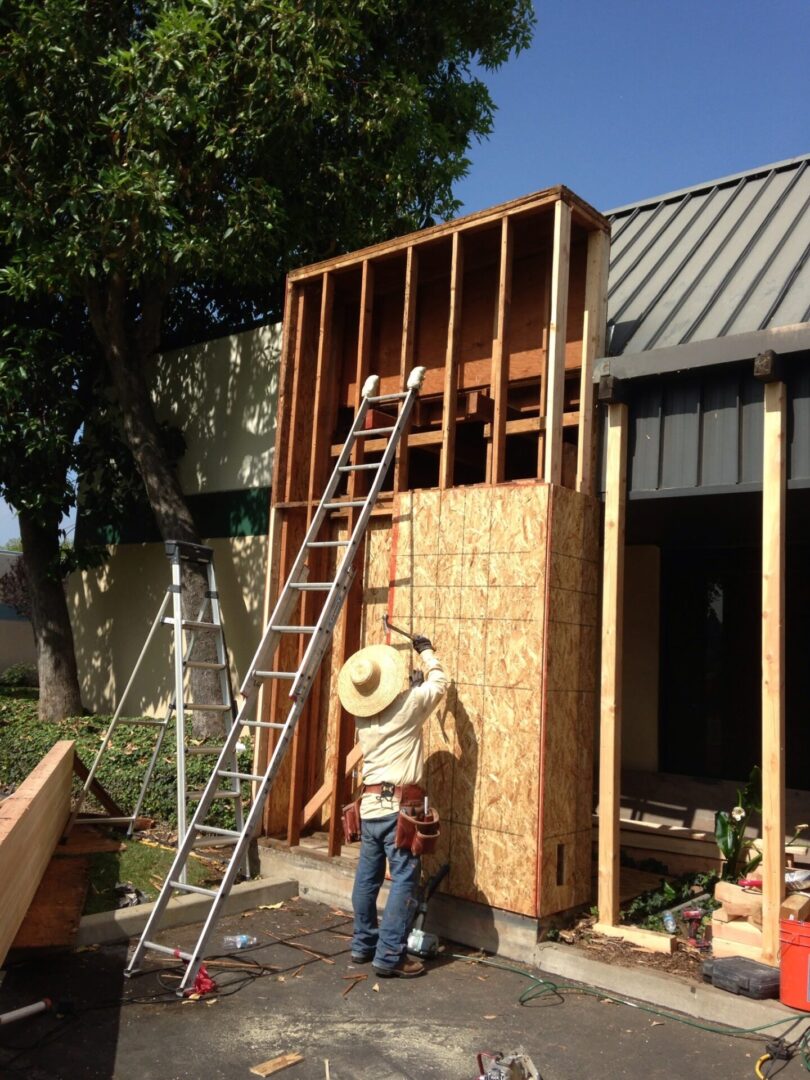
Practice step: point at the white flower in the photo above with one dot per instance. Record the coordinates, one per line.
(737, 813)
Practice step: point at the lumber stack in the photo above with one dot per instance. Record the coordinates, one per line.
(31, 823)
(737, 924)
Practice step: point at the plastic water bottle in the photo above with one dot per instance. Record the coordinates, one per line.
(670, 924)
(239, 941)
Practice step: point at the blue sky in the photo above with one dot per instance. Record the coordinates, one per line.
(626, 99)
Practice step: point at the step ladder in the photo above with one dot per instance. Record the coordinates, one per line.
(186, 633)
(282, 621)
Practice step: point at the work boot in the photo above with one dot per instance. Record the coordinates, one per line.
(405, 969)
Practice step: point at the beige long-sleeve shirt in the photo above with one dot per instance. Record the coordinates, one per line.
(391, 740)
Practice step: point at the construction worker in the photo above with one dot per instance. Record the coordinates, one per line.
(373, 687)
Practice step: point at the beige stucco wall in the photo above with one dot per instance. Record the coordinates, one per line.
(642, 613)
(222, 395)
(113, 608)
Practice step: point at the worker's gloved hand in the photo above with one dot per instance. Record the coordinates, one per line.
(421, 643)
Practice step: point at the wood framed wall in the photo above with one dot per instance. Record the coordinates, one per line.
(503, 308)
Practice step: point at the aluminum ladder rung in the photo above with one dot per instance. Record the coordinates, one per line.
(104, 820)
(167, 950)
(328, 543)
(141, 721)
(386, 397)
(365, 432)
(358, 468)
(222, 793)
(215, 830)
(192, 624)
(181, 887)
(201, 706)
(204, 750)
(295, 629)
(273, 674)
(203, 665)
(312, 586)
(247, 776)
(263, 724)
(343, 505)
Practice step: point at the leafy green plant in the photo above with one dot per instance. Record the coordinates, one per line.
(730, 826)
(20, 675)
(647, 908)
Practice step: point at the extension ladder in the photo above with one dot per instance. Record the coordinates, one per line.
(280, 623)
(207, 621)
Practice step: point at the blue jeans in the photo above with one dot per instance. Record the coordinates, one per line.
(386, 941)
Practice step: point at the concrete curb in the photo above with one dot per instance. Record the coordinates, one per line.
(663, 990)
(109, 926)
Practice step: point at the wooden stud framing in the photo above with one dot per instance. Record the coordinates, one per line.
(500, 356)
(556, 342)
(593, 345)
(773, 665)
(297, 373)
(448, 453)
(610, 733)
(406, 355)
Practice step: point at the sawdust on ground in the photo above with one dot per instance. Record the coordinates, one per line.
(685, 960)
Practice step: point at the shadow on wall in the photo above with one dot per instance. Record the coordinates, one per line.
(112, 609)
(222, 395)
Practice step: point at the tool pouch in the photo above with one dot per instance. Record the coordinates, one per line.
(416, 831)
(350, 816)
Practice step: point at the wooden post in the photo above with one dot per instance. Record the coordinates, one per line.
(555, 398)
(774, 475)
(448, 453)
(610, 712)
(500, 363)
(593, 346)
(406, 357)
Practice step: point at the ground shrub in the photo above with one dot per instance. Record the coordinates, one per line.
(20, 675)
(24, 740)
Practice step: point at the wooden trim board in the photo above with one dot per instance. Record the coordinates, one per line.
(645, 939)
(31, 823)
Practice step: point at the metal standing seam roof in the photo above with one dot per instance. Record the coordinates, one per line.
(723, 258)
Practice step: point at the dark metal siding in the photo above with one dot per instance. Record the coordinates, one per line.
(702, 434)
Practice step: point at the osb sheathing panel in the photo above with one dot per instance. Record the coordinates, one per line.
(570, 702)
(469, 571)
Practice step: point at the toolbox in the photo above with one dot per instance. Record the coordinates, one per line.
(739, 975)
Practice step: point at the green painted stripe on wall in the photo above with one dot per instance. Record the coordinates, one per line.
(217, 515)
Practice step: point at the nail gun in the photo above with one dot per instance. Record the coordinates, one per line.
(420, 943)
(517, 1066)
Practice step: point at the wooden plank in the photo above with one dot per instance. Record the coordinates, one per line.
(774, 474)
(610, 735)
(594, 326)
(283, 1061)
(448, 456)
(52, 920)
(556, 342)
(499, 379)
(532, 423)
(283, 442)
(651, 940)
(526, 204)
(297, 375)
(324, 792)
(406, 356)
(31, 823)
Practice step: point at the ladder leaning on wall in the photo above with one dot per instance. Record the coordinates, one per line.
(280, 623)
(186, 633)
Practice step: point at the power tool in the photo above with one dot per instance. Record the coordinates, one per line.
(420, 943)
(516, 1066)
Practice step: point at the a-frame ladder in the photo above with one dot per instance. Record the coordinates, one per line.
(260, 671)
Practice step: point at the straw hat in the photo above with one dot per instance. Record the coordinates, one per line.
(371, 679)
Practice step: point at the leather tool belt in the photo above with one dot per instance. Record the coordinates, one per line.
(417, 831)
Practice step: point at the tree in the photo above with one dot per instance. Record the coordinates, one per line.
(153, 150)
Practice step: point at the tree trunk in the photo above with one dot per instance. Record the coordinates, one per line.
(128, 347)
(59, 693)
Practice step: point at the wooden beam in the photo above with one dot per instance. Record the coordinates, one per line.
(529, 424)
(651, 940)
(97, 790)
(610, 713)
(499, 380)
(406, 357)
(555, 398)
(451, 364)
(300, 321)
(31, 822)
(324, 792)
(594, 325)
(774, 473)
